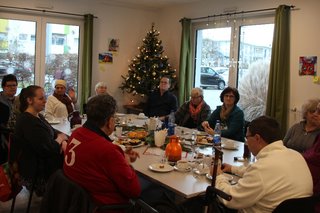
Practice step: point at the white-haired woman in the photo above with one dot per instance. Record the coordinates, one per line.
(193, 112)
(302, 135)
(100, 88)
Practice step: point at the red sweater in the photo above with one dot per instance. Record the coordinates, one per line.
(100, 167)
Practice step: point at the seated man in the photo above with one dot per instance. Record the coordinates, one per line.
(278, 174)
(161, 102)
(60, 104)
(192, 113)
(95, 163)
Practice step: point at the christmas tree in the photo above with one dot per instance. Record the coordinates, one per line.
(147, 68)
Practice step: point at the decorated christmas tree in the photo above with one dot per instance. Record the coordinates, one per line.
(147, 68)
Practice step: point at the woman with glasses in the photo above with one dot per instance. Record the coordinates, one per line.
(302, 135)
(193, 112)
(229, 114)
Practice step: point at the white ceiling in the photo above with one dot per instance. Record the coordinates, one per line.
(152, 4)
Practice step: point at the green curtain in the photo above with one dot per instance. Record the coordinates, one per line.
(278, 89)
(185, 71)
(86, 74)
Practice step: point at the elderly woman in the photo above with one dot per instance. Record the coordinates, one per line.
(100, 89)
(60, 104)
(192, 113)
(229, 114)
(302, 135)
(37, 146)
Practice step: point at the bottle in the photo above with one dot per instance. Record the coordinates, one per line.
(171, 123)
(246, 151)
(173, 149)
(74, 119)
(217, 134)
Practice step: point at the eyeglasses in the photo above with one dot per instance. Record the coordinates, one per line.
(11, 85)
(248, 136)
(229, 96)
(195, 97)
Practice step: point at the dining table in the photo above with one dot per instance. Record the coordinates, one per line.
(186, 184)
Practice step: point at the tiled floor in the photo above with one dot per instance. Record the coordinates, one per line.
(21, 203)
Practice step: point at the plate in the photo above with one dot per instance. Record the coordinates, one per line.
(204, 143)
(142, 118)
(54, 122)
(229, 177)
(157, 167)
(120, 114)
(234, 147)
(182, 170)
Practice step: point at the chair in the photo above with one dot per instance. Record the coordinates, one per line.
(63, 195)
(298, 205)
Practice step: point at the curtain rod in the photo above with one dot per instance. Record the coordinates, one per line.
(44, 11)
(236, 13)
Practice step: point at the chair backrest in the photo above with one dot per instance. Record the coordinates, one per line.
(63, 195)
(298, 205)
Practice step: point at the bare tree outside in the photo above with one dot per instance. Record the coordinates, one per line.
(253, 89)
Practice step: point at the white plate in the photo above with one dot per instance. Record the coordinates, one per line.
(204, 143)
(182, 170)
(156, 167)
(142, 118)
(54, 122)
(120, 114)
(230, 177)
(234, 147)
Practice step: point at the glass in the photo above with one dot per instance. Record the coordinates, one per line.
(254, 62)
(17, 51)
(62, 55)
(212, 62)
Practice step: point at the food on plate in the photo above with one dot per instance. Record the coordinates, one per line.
(161, 166)
(132, 142)
(199, 155)
(204, 139)
(139, 134)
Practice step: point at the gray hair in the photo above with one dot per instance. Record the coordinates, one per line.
(100, 109)
(310, 106)
(100, 84)
(197, 91)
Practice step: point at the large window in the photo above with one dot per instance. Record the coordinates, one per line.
(235, 53)
(39, 50)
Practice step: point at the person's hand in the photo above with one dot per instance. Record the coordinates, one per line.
(162, 118)
(64, 146)
(61, 137)
(72, 95)
(131, 155)
(208, 129)
(205, 124)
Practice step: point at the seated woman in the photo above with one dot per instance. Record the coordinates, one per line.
(192, 113)
(229, 114)
(302, 135)
(37, 146)
(60, 104)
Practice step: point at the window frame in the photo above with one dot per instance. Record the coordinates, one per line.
(41, 22)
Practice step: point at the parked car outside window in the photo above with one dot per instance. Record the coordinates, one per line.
(210, 77)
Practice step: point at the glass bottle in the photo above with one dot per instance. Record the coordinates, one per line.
(74, 119)
(173, 149)
(217, 134)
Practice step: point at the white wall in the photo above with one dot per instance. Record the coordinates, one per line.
(304, 37)
(130, 26)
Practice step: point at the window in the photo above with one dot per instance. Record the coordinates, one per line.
(23, 53)
(232, 51)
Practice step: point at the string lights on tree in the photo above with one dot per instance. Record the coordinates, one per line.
(147, 67)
